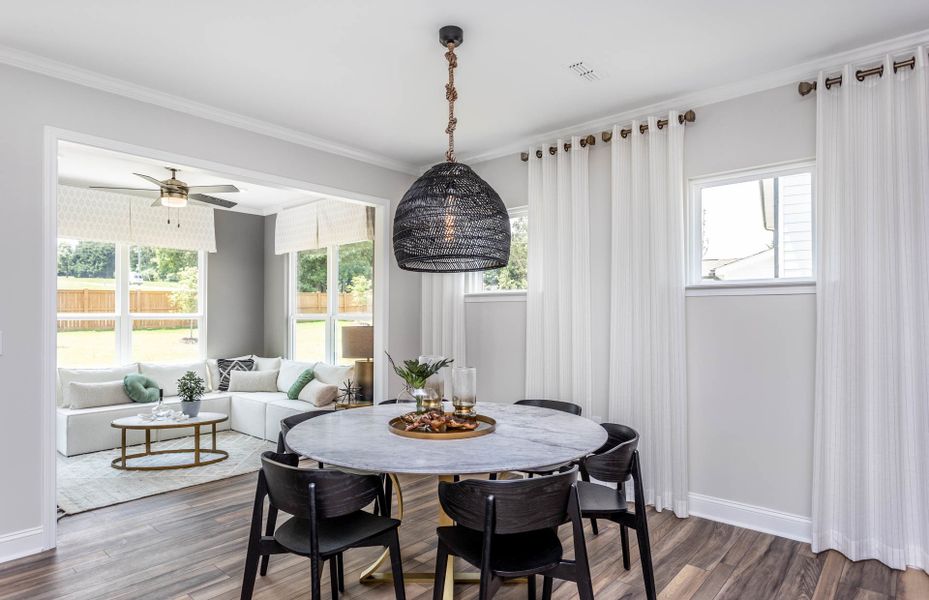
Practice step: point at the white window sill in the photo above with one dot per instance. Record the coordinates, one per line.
(753, 288)
(501, 296)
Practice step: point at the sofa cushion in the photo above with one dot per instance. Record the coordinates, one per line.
(228, 365)
(66, 376)
(318, 393)
(333, 374)
(299, 384)
(278, 410)
(141, 389)
(267, 363)
(290, 372)
(253, 381)
(212, 368)
(166, 376)
(89, 395)
(248, 411)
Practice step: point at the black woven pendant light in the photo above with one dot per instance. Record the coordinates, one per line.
(451, 220)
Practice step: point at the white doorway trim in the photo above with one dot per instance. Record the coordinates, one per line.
(53, 136)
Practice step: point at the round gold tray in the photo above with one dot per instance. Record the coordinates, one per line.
(485, 425)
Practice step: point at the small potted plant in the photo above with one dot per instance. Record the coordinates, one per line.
(190, 388)
(415, 374)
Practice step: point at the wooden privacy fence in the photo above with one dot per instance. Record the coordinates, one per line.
(315, 302)
(104, 301)
(160, 301)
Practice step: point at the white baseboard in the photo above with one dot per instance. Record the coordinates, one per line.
(21, 543)
(758, 518)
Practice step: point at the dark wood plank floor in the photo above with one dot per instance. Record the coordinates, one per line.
(190, 545)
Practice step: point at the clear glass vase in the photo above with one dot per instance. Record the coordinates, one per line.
(425, 398)
(464, 395)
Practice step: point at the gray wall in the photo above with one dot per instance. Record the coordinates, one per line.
(30, 102)
(749, 358)
(275, 294)
(235, 286)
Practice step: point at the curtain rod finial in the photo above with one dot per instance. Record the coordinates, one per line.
(690, 116)
(806, 87)
(524, 156)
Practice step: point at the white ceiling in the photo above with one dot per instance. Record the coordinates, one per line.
(369, 74)
(84, 166)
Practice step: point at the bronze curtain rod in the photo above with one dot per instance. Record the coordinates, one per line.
(806, 87)
(590, 140)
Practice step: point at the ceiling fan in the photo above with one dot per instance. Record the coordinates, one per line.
(174, 193)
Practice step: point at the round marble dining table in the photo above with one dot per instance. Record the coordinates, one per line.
(525, 438)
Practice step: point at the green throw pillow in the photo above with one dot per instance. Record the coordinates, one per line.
(305, 377)
(140, 388)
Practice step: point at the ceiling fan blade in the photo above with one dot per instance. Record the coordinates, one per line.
(211, 200)
(156, 203)
(152, 179)
(125, 189)
(214, 189)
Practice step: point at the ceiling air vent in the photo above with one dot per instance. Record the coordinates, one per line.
(584, 71)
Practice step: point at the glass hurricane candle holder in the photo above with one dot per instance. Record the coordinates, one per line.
(436, 382)
(464, 391)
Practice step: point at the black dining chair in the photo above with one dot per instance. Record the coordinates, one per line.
(327, 519)
(509, 529)
(617, 465)
(292, 421)
(568, 407)
(616, 435)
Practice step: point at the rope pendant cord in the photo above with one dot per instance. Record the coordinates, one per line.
(451, 94)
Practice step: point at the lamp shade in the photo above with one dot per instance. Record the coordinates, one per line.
(451, 220)
(358, 341)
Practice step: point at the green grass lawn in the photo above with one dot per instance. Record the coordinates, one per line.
(99, 283)
(98, 347)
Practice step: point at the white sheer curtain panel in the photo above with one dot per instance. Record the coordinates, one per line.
(557, 302)
(443, 330)
(871, 443)
(648, 388)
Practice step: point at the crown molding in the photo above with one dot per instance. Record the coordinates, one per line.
(66, 72)
(758, 83)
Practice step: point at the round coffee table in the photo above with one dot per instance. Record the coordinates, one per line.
(137, 423)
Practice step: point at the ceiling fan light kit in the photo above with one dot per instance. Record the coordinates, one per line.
(451, 220)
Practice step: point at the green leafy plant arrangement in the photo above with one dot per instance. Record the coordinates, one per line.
(415, 373)
(190, 387)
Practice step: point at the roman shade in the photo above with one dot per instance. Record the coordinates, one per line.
(95, 215)
(323, 223)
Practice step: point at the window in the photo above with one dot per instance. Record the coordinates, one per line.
(755, 227)
(331, 287)
(119, 303)
(514, 276)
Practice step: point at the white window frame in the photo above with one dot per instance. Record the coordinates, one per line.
(123, 319)
(331, 317)
(476, 292)
(696, 285)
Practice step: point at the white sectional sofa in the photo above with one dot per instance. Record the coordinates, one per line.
(259, 414)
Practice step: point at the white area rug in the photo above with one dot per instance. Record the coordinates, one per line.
(88, 481)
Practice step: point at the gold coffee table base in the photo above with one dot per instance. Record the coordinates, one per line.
(135, 423)
(121, 462)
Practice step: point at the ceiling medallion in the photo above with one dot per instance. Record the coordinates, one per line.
(451, 220)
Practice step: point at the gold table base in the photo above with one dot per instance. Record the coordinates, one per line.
(121, 463)
(372, 575)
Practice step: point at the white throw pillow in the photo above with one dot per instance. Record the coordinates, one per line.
(253, 381)
(212, 367)
(67, 376)
(333, 374)
(89, 395)
(318, 393)
(267, 363)
(289, 372)
(166, 376)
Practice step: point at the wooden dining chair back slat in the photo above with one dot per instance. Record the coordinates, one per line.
(568, 407)
(613, 464)
(328, 519)
(520, 505)
(336, 493)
